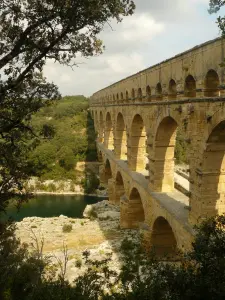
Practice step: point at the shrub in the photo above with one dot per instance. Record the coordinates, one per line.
(90, 183)
(78, 263)
(93, 214)
(67, 228)
(51, 187)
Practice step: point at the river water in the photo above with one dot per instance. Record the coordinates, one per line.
(53, 206)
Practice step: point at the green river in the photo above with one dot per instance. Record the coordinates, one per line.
(53, 206)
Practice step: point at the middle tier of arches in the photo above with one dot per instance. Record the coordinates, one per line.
(145, 139)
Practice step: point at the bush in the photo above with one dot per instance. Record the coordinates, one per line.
(67, 228)
(78, 263)
(93, 214)
(200, 274)
(90, 183)
(51, 187)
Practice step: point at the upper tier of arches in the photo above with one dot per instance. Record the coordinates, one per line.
(211, 86)
(196, 73)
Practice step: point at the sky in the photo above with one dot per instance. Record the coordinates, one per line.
(158, 30)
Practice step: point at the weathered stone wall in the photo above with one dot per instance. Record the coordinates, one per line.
(172, 77)
(137, 137)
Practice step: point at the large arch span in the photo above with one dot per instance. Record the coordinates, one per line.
(138, 124)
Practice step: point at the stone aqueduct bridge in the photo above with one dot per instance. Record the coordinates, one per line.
(137, 120)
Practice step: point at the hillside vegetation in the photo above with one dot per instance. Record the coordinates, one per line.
(66, 136)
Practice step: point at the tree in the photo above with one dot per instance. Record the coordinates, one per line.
(200, 275)
(33, 31)
(214, 7)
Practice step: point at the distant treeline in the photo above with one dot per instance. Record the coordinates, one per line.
(65, 136)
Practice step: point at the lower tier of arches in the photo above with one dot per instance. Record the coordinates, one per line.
(161, 217)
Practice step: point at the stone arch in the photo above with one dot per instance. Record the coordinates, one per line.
(131, 210)
(117, 96)
(127, 95)
(190, 87)
(133, 94)
(172, 90)
(101, 128)
(108, 171)
(140, 94)
(119, 188)
(158, 91)
(120, 143)
(164, 146)
(211, 176)
(100, 156)
(96, 119)
(148, 92)
(212, 84)
(108, 139)
(137, 153)
(163, 242)
(105, 172)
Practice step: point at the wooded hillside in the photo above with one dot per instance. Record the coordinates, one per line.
(67, 136)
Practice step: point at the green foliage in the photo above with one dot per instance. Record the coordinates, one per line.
(67, 228)
(51, 187)
(90, 183)
(32, 32)
(199, 275)
(181, 149)
(78, 263)
(69, 137)
(93, 213)
(214, 7)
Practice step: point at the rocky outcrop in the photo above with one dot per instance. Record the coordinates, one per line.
(102, 210)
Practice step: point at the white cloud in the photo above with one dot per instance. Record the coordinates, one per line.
(157, 30)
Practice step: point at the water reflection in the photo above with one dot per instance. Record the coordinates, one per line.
(53, 206)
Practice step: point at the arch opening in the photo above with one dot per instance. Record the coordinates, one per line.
(120, 138)
(96, 120)
(127, 95)
(158, 91)
(108, 171)
(212, 84)
(137, 157)
(109, 132)
(140, 94)
(172, 90)
(119, 188)
(212, 188)
(148, 92)
(190, 87)
(100, 157)
(136, 207)
(163, 242)
(133, 94)
(132, 211)
(164, 151)
(101, 128)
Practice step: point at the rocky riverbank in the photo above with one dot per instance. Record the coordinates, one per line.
(99, 232)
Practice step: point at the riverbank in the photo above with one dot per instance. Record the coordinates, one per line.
(69, 193)
(99, 233)
(62, 187)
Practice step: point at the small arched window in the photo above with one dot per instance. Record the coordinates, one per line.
(212, 84)
(172, 90)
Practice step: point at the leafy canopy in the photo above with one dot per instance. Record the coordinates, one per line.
(32, 31)
(214, 7)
